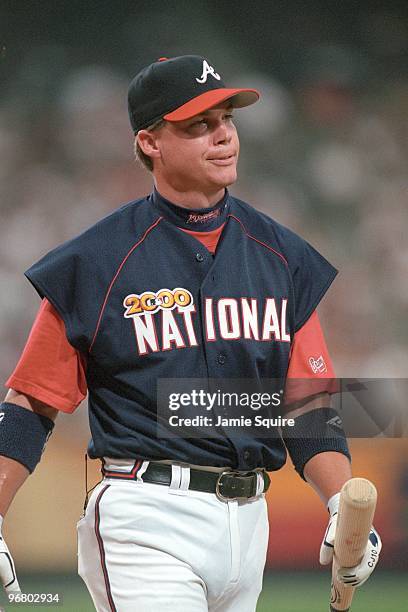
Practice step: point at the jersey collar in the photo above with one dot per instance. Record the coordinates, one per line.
(197, 220)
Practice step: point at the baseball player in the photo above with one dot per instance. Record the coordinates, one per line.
(187, 282)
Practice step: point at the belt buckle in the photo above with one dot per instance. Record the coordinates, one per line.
(217, 487)
(232, 473)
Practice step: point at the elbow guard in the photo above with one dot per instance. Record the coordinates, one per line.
(23, 434)
(314, 432)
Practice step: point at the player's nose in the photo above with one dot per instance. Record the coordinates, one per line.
(222, 134)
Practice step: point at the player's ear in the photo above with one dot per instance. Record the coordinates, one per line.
(148, 143)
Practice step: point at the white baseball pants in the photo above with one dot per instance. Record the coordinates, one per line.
(147, 548)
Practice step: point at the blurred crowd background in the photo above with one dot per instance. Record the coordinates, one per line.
(324, 152)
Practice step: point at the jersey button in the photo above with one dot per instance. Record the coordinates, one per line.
(221, 359)
(199, 257)
(247, 455)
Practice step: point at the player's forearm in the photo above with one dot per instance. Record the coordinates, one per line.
(15, 459)
(12, 476)
(327, 472)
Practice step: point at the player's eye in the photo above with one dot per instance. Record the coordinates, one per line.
(198, 126)
(199, 122)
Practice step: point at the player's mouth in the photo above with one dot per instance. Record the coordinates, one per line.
(223, 160)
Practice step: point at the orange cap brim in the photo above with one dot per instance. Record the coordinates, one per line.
(209, 99)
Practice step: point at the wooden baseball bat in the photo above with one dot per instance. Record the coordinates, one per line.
(358, 499)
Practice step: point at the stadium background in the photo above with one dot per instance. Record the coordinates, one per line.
(324, 152)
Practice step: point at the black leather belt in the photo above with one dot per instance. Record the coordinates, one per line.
(227, 485)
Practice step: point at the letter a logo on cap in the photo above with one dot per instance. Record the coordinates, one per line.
(207, 69)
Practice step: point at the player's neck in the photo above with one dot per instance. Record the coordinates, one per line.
(191, 198)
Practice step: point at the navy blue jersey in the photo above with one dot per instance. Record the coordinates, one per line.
(144, 300)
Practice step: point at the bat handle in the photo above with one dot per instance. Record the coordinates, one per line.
(341, 595)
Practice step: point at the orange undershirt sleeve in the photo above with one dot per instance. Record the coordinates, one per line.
(310, 360)
(50, 369)
(309, 354)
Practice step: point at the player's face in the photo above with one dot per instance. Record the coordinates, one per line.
(199, 154)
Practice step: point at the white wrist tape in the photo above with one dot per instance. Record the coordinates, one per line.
(333, 504)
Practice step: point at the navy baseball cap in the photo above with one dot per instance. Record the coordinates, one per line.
(179, 88)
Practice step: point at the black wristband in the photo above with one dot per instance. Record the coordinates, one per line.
(23, 434)
(314, 432)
